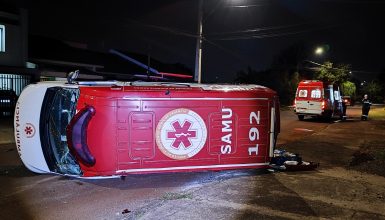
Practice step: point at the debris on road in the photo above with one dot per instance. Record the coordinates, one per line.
(286, 161)
(125, 211)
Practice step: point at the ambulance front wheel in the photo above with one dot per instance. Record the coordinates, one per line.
(301, 117)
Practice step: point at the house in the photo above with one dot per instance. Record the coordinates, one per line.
(55, 58)
(27, 58)
(15, 71)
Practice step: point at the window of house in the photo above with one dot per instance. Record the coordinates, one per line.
(316, 93)
(302, 93)
(2, 38)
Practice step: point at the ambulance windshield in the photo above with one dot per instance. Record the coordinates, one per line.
(59, 106)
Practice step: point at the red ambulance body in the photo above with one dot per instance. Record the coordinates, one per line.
(115, 129)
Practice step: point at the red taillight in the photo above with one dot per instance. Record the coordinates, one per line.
(323, 105)
(77, 136)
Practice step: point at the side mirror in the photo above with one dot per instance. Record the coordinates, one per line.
(72, 76)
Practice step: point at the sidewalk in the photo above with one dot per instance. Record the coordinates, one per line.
(6, 130)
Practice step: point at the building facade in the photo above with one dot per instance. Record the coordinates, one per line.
(14, 74)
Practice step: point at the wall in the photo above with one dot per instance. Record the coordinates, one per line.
(16, 38)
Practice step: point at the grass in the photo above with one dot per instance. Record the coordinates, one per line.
(377, 113)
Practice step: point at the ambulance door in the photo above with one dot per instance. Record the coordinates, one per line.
(301, 100)
(315, 100)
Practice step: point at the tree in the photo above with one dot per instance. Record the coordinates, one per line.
(348, 88)
(338, 74)
(325, 72)
(293, 82)
(285, 72)
(251, 76)
(373, 89)
(342, 72)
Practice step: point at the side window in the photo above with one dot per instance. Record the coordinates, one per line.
(316, 93)
(302, 93)
(336, 95)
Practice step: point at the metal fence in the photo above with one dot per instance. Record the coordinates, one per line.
(14, 82)
(11, 86)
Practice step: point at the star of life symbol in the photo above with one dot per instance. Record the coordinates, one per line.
(181, 134)
(29, 130)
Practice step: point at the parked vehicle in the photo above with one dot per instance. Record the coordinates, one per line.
(109, 129)
(8, 100)
(347, 100)
(318, 99)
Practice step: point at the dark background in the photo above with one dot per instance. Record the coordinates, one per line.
(236, 37)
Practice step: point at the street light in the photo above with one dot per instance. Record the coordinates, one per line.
(319, 50)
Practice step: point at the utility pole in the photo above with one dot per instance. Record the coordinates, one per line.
(148, 61)
(198, 53)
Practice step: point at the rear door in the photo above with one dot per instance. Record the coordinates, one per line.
(315, 102)
(309, 100)
(301, 100)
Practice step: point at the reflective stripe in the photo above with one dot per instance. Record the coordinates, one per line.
(272, 128)
(191, 167)
(214, 99)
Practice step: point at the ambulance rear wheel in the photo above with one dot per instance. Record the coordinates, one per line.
(328, 116)
(301, 117)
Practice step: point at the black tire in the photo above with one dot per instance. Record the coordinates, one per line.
(328, 116)
(301, 117)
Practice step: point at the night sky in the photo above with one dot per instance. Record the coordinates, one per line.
(238, 33)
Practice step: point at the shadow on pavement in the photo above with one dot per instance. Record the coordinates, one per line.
(272, 200)
(13, 204)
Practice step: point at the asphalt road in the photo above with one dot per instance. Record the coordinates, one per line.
(332, 191)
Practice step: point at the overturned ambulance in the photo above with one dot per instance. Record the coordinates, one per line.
(109, 129)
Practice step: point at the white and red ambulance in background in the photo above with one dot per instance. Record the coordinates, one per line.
(318, 99)
(108, 129)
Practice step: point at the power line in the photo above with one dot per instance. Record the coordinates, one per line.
(164, 28)
(258, 29)
(206, 16)
(356, 2)
(240, 58)
(242, 37)
(363, 71)
(245, 6)
(270, 35)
